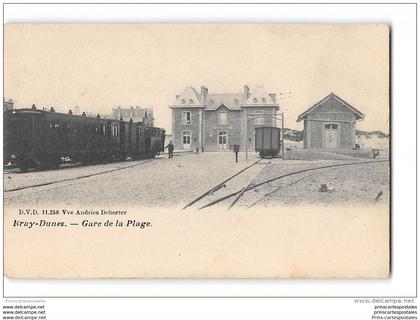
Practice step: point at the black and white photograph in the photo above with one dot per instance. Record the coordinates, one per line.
(124, 121)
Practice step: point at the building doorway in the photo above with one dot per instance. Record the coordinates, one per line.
(331, 136)
(186, 140)
(223, 139)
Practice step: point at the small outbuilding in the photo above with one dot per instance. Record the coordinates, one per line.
(330, 124)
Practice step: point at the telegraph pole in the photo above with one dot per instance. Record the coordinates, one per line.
(282, 135)
(246, 137)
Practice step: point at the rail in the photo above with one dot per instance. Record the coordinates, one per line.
(77, 178)
(250, 187)
(220, 185)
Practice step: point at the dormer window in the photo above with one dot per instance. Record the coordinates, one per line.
(255, 100)
(191, 101)
(183, 101)
(263, 100)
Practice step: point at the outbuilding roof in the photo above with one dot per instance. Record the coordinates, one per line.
(359, 115)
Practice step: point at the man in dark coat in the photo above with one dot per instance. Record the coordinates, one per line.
(170, 147)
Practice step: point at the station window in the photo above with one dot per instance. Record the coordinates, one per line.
(223, 118)
(186, 137)
(103, 131)
(186, 117)
(331, 126)
(115, 130)
(223, 137)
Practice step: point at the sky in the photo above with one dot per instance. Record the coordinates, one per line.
(102, 66)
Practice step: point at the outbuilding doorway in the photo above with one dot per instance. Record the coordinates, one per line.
(331, 136)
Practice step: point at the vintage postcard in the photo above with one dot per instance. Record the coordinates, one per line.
(196, 151)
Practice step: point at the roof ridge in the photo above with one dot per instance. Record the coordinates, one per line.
(225, 93)
(196, 93)
(334, 96)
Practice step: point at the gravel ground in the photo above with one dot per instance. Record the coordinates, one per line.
(175, 182)
(14, 178)
(163, 182)
(349, 185)
(236, 184)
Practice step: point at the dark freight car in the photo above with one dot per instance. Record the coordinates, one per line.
(267, 141)
(40, 139)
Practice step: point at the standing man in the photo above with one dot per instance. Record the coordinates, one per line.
(170, 147)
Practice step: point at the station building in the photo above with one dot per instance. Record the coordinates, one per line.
(218, 121)
(330, 124)
(137, 114)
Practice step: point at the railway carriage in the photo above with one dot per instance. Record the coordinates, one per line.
(40, 139)
(267, 141)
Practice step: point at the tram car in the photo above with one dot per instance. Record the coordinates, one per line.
(267, 141)
(40, 139)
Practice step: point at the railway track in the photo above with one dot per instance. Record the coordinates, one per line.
(251, 186)
(226, 184)
(77, 177)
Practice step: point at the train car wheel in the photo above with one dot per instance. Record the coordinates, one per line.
(85, 159)
(22, 165)
(55, 162)
(47, 163)
(96, 158)
(40, 164)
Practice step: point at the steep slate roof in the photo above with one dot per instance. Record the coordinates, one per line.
(189, 98)
(359, 115)
(232, 101)
(260, 97)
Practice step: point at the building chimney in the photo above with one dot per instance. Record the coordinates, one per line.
(273, 96)
(246, 91)
(203, 94)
